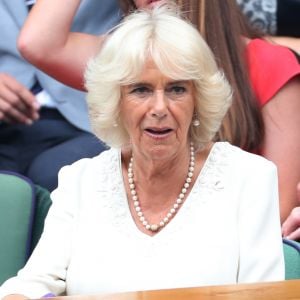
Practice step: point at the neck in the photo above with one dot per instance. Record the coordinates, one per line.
(153, 170)
(156, 198)
(161, 188)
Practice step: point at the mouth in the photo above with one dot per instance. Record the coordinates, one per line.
(157, 133)
(152, 3)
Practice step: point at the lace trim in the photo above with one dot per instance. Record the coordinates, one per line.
(210, 181)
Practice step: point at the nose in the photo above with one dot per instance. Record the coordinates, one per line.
(159, 105)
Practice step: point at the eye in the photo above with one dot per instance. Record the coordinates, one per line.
(141, 91)
(176, 90)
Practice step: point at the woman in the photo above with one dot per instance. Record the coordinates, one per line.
(164, 194)
(266, 123)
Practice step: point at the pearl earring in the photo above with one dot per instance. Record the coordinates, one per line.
(196, 121)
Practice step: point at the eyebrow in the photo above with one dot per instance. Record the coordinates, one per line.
(179, 82)
(144, 83)
(138, 84)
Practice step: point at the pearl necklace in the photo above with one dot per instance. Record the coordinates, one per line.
(176, 205)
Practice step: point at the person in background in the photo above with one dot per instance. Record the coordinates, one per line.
(43, 123)
(165, 193)
(280, 22)
(264, 117)
(280, 19)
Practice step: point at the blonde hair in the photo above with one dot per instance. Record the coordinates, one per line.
(179, 52)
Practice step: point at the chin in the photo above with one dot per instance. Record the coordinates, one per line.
(160, 151)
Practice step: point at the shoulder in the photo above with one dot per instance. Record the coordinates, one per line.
(244, 163)
(271, 66)
(90, 168)
(78, 182)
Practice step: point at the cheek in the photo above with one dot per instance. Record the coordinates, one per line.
(186, 121)
(131, 116)
(185, 113)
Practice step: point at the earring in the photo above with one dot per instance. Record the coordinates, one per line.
(195, 121)
(115, 124)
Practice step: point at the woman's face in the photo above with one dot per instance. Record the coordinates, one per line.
(146, 3)
(157, 112)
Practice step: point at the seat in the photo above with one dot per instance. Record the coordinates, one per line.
(292, 259)
(42, 205)
(23, 207)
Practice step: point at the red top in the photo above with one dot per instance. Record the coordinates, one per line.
(270, 67)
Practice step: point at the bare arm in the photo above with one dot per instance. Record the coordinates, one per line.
(290, 42)
(282, 142)
(46, 41)
(291, 226)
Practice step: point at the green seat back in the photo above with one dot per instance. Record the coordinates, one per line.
(292, 259)
(42, 205)
(16, 215)
(23, 208)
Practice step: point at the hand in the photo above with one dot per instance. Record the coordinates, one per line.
(17, 103)
(291, 226)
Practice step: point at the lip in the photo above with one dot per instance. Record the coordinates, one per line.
(152, 3)
(158, 132)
